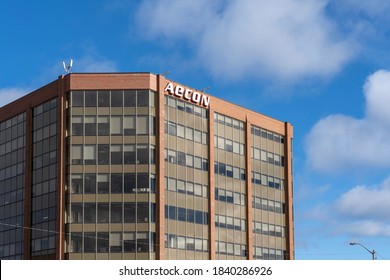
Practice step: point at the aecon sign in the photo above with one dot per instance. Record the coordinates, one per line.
(188, 94)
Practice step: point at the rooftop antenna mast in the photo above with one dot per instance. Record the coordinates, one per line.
(67, 68)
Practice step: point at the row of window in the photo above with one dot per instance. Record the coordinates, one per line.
(113, 98)
(230, 171)
(269, 157)
(44, 160)
(11, 171)
(230, 222)
(261, 253)
(12, 150)
(184, 159)
(11, 236)
(230, 197)
(46, 244)
(266, 180)
(12, 122)
(186, 215)
(226, 248)
(9, 223)
(268, 205)
(267, 134)
(12, 184)
(228, 121)
(186, 187)
(44, 187)
(268, 229)
(104, 154)
(11, 251)
(7, 135)
(11, 197)
(44, 174)
(12, 145)
(115, 212)
(112, 242)
(185, 107)
(185, 132)
(102, 183)
(45, 119)
(173, 241)
(229, 145)
(114, 125)
(44, 132)
(45, 107)
(44, 215)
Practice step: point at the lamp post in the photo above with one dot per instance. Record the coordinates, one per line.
(371, 252)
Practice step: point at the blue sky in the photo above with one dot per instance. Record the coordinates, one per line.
(322, 65)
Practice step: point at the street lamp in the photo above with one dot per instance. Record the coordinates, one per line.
(371, 252)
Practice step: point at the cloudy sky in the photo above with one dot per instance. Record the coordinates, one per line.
(323, 65)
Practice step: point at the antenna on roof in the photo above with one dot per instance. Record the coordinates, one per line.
(165, 73)
(67, 68)
(204, 89)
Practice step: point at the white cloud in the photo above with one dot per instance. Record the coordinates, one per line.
(8, 95)
(364, 228)
(285, 39)
(92, 63)
(364, 202)
(339, 142)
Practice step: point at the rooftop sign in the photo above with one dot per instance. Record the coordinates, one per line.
(188, 94)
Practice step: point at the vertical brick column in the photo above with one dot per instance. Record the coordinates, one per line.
(248, 182)
(211, 187)
(160, 227)
(27, 186)
(289, 191)
(61, 126)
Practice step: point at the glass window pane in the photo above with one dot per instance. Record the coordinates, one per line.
(116, 125)
(142, 125)
(77, 98)
(103, 98)
(116, 98)
(90, 98)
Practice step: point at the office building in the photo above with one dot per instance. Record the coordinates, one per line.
(135, 166)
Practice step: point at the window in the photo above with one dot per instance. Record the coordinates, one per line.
(103, 154)
(89, 213)
(102, 242)
(116, 98)
(129, 212)
(115, 242)
(116, 125)
(89, 154)
(129, 97)
(142, 125)
(142, 154)
(103, 126)
(116, 182)
(116, 154)
(77, 98)
(77, 126)
(142, 98)
(129, 125)
(104, 98)
(102, 183)
(90, 183)
(76, 183)
(116, 212)
(90, 98)
(129, 154)
(103, 212)
(89, 242)
(77, 154)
